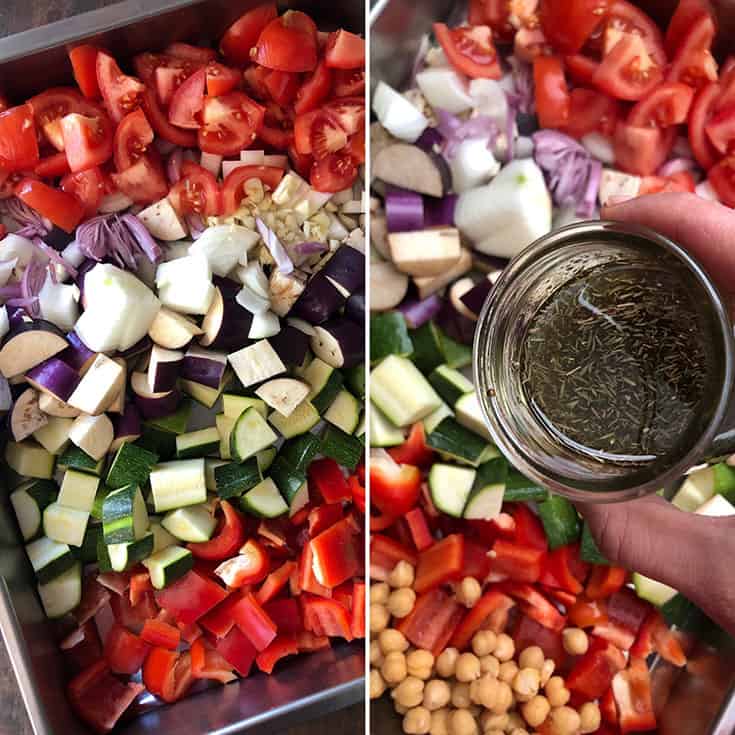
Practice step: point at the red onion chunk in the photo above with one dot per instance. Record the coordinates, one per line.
(404, 210)
(159, 406)
(440, 212)
(11, 291)
(54, 376)
(417, 313)
(204, 366)
(455, 130)
(77, 354)
(142, 237)
(277, 251)
(310, 248)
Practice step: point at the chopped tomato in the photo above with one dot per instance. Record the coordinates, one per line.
(316, 88)
(642, 150)
(349, 113)
(254, 622)
(324, 617)
(84, 64)
(440, 563)
(243, 34)
(604, 582)
(237, 650)
(326, 136)
(55, 103)
(591, 111)
(477, 15)
(433, 620)
(255, 77)
(581, 68)
(327, 477)
(720, 129)
(552, 94)
(288, 43)
(345, 50)
(197, 192)
(282, 646)
(63, 209)
(132, 138)
(52, 166)
(203, 189)
(413, 451)
(158, 633)
(624, 17)
(693, 63)
(335, 554)
(274, 137)
(188, 101)
(491, 605)
(230, 123)
(702, 109)
(190, 597)
(144, 181)
(87, 140)
(221, 79)
(470, 50)
(627, 71)
(168, 79)
(282, 86)
(159, 122)
(121, 93)
(516, 562)
(124, 651)
(632, 691)
(580, 19)
(232, 187)
(87, 186)
(348, 82)
(667, 105)
(687, 13)
(529, 44)
(188, 52)
(593, 673)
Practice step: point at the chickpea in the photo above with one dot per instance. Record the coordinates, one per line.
(515, 721)
(564, 721)
(440, 722)
(468, 667)
(531, 658)
(526, 684)
(391, 640)
(547, 670)
(399, 708)
(461, 695)
(379, 617)
(575, 641)
(394, 668)
(590, 717)
(402, 575)
(461, 722)
(490, 665)
(468, 592)
(377, 684)
(503, 698)
(491, 721)
(437, 695)
(447, 662)
(508, 671)
(519, 731)
(420, 663)
(484, 642)
(410, 692)
(494, 732)
(376, 653)
(536, 710)
(485, 691)
(417, 721)
(401, 602)
(556, 692)
(379, 593)
(504, 648)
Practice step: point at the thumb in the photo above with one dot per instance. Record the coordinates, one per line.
(688, 552)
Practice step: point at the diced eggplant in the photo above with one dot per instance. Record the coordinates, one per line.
(54, 377)
(414, 169)
(431, 284)
(99, 387)
(355, 308)
(28, 345)
(285, 289)
(118, 404)
(27, 416)
(139, 348)
(339, 343)
(488, 264)
(347, 268)
(388, 286)
(291, 344)
(456, 291)
(6, 397)
(163, 221)
(164, 367)
(379, 234)
(92, 434)
(127, 426)
(204, 366)
(319, 301)
(54, 407)
(226, 325)
(426, 252)
(474, 298)
(172, 330)
(4, 321)
(456, 325)
(227, 286)
(283, 394)
(153, 405)
(256, 363)
(265, 325)
(77, 354)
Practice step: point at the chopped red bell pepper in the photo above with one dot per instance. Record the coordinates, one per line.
(528, 531)
(300, 516)
(491, 605)
(335, 554)
(158, 633)
(385, 553)
(306, 579)
(190, 632)
(208, 663)
(608, 708)
(604, 582)
(440, 563)
(82, 647)
(321, 518)
(133, 618)
(252, 620)
(476, 562)
(419, 529)
(627, 609)
(237, 650)
(286, 614)
(358, 609)
(308, 642)
(124, 651)
(530, 633)
(414, 450)
(190, 597)
(593, 673)
(534, 604)
(325, 617)
(655, 635)
(157, 669)
(94, 597)
(586, 613)
(250, 566)
(140, 583)
(381, 522)
(179, 678)
(432, 621)
(394, 488)
(228, 539)
(327, 477)
(632, 692)
(218, 621)
(522, 563)
(557, 570)
(343, 595)
(619, 635)
(275, 582)
(282, 646)
(357, 491)
(561, 596)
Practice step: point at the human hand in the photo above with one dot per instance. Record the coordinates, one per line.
(693, 554)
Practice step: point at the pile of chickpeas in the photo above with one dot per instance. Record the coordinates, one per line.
(492, 689)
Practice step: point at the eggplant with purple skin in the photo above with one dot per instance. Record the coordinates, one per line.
(101, 385)
(456, 325)
(404, 210)
(456, 291)
(30, 344)
(173, 330)
(26, 416)
(54, 377)
(142, 345)
(474, 298)
(153, 405)
(77, 355)
(164, 367)
(204, 366)
(355, 308)
(291, 345)
(320, 300)
(346, 268)
(226, 325)
(340, 343)
(409, 167)
(127, 426)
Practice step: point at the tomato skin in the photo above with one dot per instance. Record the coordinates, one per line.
(221, 79)
(197, 192)
(470, 50)
(87, 140)
(581, 68)
(243, 34)
(232, 192)
(552, 94)
(282, 86)
(642, 150)
(302, 132)
(345, 50)
(314, 90)
(288, 43)
(276, 138)
(720, 129)
(144, 182)
(159, 122)
(693, 63)
(580, 19)
(61, 208)
(84, 64)
(132, 137)
(591, 111)
(87, 186)
(617, 73)
(223, 133)
(53, 166)
(667, 105)
(722, 179)
(349, 82)
(121, 93)
(188, 52)
(356, 148)
(188, 101)
(702, 109)
(687, 13)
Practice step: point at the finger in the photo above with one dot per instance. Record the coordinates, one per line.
(703, 228)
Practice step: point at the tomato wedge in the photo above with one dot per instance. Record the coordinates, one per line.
(63, 209)
(625, 18)
(87, 140)
(52, 166)
(288, 43)
(345, 50)
(53, 104)
(552, 94)
(349, 113)
(221, 79)
(188, 101)
(132, 138)
(159, 122)
(315, 89)
(591, 111)
(349, 82)
(230, 123)
(703, 108)
(188, 52)
(667, 105)
(243, 34)
(627, 71)
(326, 136)
(282, 86)
(121, 93)
(18, 140)
(144, 182)
(84, 64)
(722, 179)
(470, 50)
(693, 63)
(87, 186)
(232, 188)
(687, 13)
(580, 19)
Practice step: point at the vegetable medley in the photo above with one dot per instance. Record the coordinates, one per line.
(183, 320)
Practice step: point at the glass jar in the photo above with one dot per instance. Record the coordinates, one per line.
(524, 286)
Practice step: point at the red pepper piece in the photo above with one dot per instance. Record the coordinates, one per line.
(534, 604)
(414, 450)
(604, 582)
(528, 530)
(432, 621)
(586, 613)
(286, 614)
(608, 708)
(385, 553)
(530, 633)
(190, 597)
(275, 582)
(282, 646)
(327, 477)
(252, 620)
(557, 570)
(335, 554)
(476, 562)
(237, 650)
(632, 692)
(357, 624)
(627, 609)
(218, 621)
(619, 635)
(321, 518)
(394, 488)
(158, 633)
(492, 603)
(440, 563)
(140, 583)
(227, 541)
(124, 651)
(324, 617)
(207, 663)
(522, 563)
(419, 529)
(593, 673)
